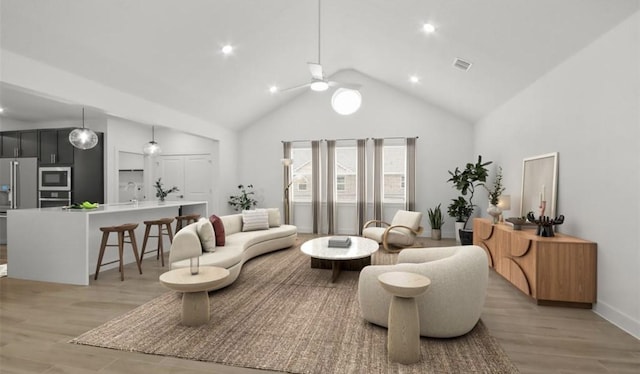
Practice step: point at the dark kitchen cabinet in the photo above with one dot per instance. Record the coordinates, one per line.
(55, 148)
(19, 143)
(87, 174)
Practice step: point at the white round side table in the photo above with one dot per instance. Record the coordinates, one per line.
(403, 334)
(195, 298)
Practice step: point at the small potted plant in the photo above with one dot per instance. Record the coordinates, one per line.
(436, 221)
(244, 200)
(161, 193)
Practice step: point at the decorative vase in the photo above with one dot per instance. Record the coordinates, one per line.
(458, 226)
(436, 234)
(494, 212)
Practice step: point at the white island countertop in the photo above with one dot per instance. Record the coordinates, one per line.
(121, 207)
(62, 245)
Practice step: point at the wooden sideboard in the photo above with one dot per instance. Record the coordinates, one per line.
(559, 270)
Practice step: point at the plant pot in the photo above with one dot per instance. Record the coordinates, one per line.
(458, 226)
(436, 234)
(466, 237)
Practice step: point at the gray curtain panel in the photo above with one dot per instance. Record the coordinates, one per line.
(315, 185)
(331, 176)
(410, 180)
(361, 183)
(377, 178)
(286, 146)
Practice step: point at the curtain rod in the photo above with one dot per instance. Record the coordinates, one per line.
(302, 141)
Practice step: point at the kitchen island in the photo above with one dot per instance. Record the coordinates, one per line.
(61, 245)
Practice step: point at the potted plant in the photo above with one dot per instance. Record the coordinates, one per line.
(466, 180)
(461, 211)
(436, 221)
(161, 193)
(244, 200)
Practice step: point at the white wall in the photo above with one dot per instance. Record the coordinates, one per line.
(58, 84)
(587, 109)
(445, 141)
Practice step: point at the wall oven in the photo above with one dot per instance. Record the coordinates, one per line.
(54, 186)
(55, 178)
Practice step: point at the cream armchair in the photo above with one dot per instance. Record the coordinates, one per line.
(452, 304)
(398, 234)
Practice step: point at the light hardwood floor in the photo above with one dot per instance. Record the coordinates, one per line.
(38, 319)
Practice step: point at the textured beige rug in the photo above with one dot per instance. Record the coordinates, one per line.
(282, 315)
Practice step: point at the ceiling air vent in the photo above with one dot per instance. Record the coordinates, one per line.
(461, 64)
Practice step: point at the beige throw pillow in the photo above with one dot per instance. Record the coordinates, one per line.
(255, 220)
(274, 217)
(206, 234)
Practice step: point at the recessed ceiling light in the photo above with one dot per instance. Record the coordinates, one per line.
(227, 49)
(1, 110)
(273, 89)
(414, 79)
(428, 28)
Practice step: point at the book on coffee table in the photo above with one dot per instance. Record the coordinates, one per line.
(340, 241)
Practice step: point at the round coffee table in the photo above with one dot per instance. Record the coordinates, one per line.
(195, 298)
(354, 257)
(403, 332)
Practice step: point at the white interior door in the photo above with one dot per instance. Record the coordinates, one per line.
(172, 172)
(192, 174)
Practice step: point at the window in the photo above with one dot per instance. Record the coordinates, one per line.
(394, 173)
(340, 183)
(345, 171)
(301, 174)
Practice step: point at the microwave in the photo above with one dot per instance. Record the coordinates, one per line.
(55, 178)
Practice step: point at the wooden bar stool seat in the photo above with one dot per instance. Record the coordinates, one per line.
(126, 234)
(182, 221)
(164, 227)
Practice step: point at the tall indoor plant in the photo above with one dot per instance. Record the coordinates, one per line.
(466, 180)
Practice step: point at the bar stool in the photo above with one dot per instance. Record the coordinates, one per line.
(182, 221)
(125, 232)
(159, 223)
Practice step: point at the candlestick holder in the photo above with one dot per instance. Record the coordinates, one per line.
(545, 224)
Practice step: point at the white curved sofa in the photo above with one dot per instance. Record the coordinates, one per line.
(239, 246)
(452, 304)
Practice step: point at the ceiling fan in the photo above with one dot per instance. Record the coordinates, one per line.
(318, 81)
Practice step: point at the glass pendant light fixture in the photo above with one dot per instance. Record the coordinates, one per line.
(83, 138)
(152, 148)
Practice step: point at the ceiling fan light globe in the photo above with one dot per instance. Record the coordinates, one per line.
(346, 101)
(319, 86)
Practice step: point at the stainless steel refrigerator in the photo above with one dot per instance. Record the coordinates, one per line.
(18, 188)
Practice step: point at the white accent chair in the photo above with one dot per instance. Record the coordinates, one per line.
(453, 303)
(400, 233)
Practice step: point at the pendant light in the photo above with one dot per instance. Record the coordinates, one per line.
(152, 148)
(83, 138)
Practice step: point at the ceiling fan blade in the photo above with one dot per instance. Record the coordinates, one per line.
(294, 88)
(316, 70)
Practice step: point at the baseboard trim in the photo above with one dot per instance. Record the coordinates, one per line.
(618, 318)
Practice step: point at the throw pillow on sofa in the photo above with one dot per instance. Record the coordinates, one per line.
(206, 234)
(255, 220)
(218, 228)
(274, 217)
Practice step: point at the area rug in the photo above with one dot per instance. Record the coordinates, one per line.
(282, 315)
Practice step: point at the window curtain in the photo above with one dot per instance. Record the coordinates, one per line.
(331, 193)
(361, 182)
(286, 164)
(316, 203)
(377, 178)
(410, 179)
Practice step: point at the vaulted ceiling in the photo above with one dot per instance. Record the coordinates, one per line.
(168, 51)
